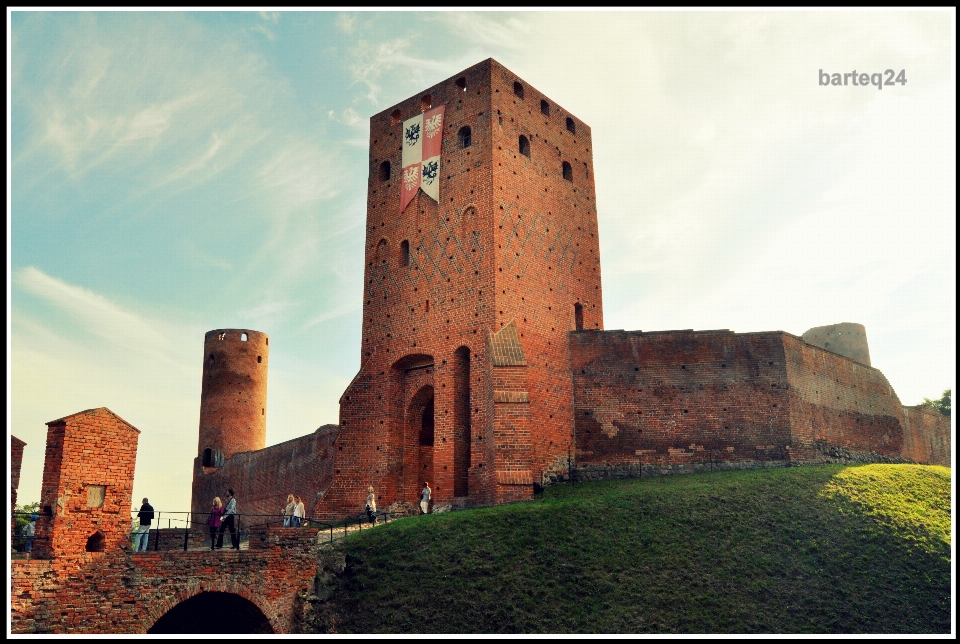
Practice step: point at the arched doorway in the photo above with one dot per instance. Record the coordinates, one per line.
(420, 422)
(210, 613)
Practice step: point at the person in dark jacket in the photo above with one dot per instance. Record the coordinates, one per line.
(145, 515)
(228, 522)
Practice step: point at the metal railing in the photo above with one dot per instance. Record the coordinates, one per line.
(185, 532)
(248, 525)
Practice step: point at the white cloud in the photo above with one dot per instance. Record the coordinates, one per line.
(299, 173)
(333, 313)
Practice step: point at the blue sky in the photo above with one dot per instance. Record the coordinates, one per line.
(172, 173)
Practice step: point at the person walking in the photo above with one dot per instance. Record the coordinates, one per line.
(145, 515)
(425, 495)
(229, 522)
(216, 516)
(299, 512)
(371, 507)
(28, 533)
(288, 511)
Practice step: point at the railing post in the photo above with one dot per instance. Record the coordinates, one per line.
(186, 537)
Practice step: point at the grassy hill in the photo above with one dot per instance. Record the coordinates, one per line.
(829, 549)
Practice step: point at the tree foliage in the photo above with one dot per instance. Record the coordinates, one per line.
(941, 405)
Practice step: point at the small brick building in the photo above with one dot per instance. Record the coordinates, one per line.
(83, 576)
(485, 368)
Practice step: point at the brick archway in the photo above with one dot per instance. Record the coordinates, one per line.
(419, 422)
(162, 604)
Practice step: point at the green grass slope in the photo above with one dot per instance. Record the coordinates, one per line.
(829, 549)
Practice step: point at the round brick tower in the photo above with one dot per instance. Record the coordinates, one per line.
(233, 401)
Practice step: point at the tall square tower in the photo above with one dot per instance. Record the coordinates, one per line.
(468, 301)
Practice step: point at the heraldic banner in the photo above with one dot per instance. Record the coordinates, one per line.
(422, 135)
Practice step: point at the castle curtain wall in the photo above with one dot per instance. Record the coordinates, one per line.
(263, 479)
(840, 408)
(677, 401)
(926, 436)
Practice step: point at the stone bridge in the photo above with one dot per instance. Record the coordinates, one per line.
(254, 590)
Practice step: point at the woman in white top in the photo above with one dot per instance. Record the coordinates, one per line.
(298, 513)
(288, 511)
(371, 506)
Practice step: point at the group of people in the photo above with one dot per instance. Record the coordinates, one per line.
(223, 517)
(371, 506)
(294, 512)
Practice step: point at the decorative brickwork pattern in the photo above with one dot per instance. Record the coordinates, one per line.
(440, 278)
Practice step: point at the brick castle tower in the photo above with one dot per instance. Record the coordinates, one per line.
(465, 362)
(233, 401)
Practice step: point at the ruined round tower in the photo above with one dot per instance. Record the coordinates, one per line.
(233, 401)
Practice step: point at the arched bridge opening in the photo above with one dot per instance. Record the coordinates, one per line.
(213, 612)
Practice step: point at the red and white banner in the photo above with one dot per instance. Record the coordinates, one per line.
(422, 136)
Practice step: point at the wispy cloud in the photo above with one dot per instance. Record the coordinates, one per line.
(333, 314)
(372, 60)
(97, 314)
(299, 173)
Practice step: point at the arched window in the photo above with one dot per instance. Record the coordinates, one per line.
(385, 171)
(518, 89)
(221, 336)
(395, 117)
(524, 146)
(545, 108)
(462, 83)
(578, 316)
(404, 253)
(464, 136)
(426, 103)
(567, 171)
(426, 425)
(207, 457)
(571, 126)
(243, 337)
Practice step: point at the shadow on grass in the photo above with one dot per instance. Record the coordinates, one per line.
(764, 551)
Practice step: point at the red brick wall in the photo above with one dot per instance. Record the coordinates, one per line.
(233, 401)
(16, 460)
(678, 400)
(839, 404)
(547, 248)
(262, 480)
(926, 437)
(92, 448)
(121, 592)
(508, 229)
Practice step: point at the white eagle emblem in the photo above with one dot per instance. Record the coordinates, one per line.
(431, 126)
(410, 177)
